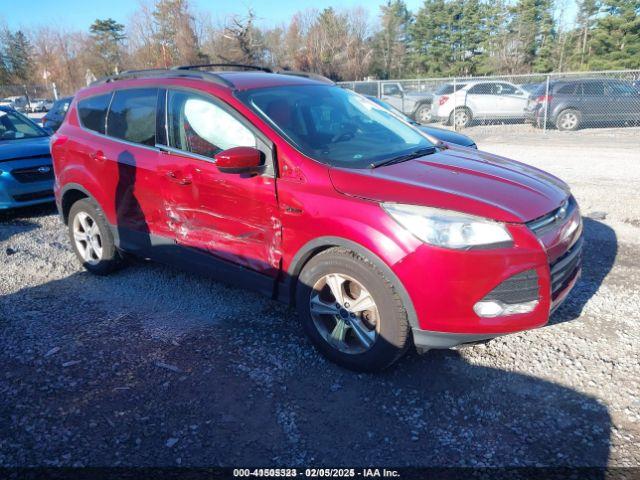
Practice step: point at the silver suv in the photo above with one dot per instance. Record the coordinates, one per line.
(481, 100)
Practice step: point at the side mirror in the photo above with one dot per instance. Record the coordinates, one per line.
(240, 160)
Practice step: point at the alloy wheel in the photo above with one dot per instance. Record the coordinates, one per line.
(86, 235)
(569, 121)
(345, 313)
(461, 118)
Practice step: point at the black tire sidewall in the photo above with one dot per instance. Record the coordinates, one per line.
(392, 339)
(110, 256)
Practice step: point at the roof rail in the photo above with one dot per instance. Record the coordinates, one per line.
(164, 73)
(235, 65)
(313, 76)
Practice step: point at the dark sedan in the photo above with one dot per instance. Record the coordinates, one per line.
(26, 173)
(441, 134)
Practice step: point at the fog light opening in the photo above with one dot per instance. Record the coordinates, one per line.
(495, 308)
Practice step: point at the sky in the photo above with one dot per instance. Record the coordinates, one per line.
(79, 14)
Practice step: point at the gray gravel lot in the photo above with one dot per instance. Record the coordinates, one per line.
(153, 366)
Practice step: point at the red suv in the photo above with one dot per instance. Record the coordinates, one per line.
(380, 236)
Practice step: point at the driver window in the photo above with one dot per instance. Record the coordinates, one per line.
(505, 89)
(197, 125)
(390, 89)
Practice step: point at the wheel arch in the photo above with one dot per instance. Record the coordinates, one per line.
(70, 194)
(317, 245)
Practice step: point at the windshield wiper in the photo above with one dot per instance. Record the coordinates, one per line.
(403, 158)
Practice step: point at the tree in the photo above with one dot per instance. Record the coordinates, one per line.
(174, 33)
(107, 36)
(19, 57)
(615, 39)
(391, 41)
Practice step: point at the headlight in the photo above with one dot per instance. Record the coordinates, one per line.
(449, 229)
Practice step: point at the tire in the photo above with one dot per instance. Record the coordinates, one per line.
(460, 117)
(423, 114)
(569, 120)
(385, 326)
(105, 259)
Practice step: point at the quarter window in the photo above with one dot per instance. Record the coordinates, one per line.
(593, 88)
(93, 111)
(132, 116)
(198, 125)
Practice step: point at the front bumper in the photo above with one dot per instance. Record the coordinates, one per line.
(445, 285)
(25, 182)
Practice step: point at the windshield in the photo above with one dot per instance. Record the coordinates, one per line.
(335, 126)
(14, 126)
(392, 109)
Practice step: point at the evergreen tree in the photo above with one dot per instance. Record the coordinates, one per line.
(615, 39)
(107, 36)
(390, 42)
(19, 57)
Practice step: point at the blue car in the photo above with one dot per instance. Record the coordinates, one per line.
(26, 172)
(438, 133)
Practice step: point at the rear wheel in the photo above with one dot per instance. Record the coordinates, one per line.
(351, 311)
(460, 117)
(569, 120)
(423, 114)
(92, 239)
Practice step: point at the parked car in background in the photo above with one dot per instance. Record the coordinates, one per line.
(19, 103)
(415, 104)
(479, 100)
(54, 117)
(530, 88)
(26, 173)
(37, 105)
(320, 198)
(571, 104)
(439, 134)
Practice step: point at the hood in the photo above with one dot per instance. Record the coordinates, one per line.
(448, 136)
(463, 180)
(24, 148)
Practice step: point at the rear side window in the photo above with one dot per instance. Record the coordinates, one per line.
(132, 116)
(569, 89)
(593, 88)
(482, 89)
(447, 88)
(93, 111)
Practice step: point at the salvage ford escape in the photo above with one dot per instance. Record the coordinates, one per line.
(318, 197)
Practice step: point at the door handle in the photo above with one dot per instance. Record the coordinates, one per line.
(175, 178)
(99, 156)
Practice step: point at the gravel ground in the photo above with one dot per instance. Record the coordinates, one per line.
(155, 367)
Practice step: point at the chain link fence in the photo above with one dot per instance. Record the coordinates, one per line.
(563, 101)
(28, 98)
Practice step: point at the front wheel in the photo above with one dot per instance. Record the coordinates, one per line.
(351, 311)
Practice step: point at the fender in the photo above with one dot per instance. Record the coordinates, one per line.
(308, 250)
(67, 188)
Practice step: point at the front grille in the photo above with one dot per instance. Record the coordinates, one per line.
(565, 268)
(520, 288)
(26, 197)
(33, 174)
(551, 220)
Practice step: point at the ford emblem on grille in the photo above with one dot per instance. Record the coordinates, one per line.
(562, 212)
(44, 169)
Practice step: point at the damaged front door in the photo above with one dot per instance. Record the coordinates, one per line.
(232, 216)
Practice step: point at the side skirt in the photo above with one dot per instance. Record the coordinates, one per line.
(165, 250)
